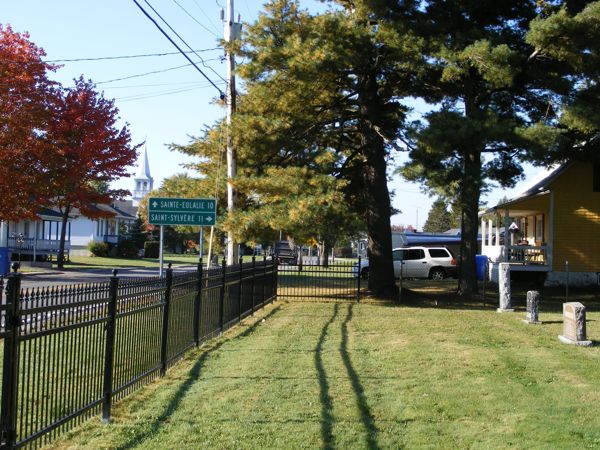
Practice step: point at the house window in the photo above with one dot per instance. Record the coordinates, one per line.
(596, 177)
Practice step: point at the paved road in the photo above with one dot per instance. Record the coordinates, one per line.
(82, 276)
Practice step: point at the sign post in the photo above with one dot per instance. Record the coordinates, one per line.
(181, 211)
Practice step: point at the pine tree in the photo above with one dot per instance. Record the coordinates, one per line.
(322, 95)
(438, 219)
(511, 81)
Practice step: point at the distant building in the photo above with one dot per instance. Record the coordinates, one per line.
(143, 181)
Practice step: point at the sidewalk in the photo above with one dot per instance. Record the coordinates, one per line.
(56, 277)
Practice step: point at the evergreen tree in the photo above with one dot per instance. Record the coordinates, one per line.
(438, 219)
(322, 94)
(511, 81)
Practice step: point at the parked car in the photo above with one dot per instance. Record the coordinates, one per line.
(435, 263)
(285, 252)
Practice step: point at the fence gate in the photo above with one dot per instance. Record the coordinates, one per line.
(335, 281)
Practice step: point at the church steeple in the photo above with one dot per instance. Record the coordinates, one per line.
(143, 181)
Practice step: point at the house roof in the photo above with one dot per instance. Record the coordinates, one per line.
(539, 188)
(49, 213)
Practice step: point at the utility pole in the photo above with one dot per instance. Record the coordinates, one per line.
(231, 32)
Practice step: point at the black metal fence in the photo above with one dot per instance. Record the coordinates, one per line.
(70, 352)
(337, 280)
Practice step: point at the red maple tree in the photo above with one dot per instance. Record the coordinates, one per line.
(87, 150)
(25, 95)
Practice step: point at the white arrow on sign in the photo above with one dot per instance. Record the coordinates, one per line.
(155, 204)
(208, 219)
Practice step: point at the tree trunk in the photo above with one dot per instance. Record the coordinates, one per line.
(470, 193)
(382, 282)
(63, 235)
(325, 254)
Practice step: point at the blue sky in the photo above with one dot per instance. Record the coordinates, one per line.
(175, 102)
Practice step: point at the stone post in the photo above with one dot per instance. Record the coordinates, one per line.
(504, 287)
(574, 325)
(533, 306)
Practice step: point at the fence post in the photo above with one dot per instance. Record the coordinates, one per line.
(240, 292)
(567, 282)
(197, 305)
(109, 353)
(165, 324)
(253, 276)
(264, 280)
(10, 368)
(222, 299)
(358, 281)
(274, 280)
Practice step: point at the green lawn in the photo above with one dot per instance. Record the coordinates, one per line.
(95, 262)
(369, 375)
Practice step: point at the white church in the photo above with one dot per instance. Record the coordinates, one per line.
(39, 239)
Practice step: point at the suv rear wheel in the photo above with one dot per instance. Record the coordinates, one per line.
(437, 273)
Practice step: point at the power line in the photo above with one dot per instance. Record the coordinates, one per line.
(129, 98)
(206, 15)
(145, 74)
(194, 19)
(178, 48)
(102, 58)
(135, 86)
(181, 39)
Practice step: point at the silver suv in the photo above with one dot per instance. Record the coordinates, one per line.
(435, 263)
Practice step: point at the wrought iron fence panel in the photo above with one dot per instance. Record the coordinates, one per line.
(60, 368)
(337, 281)
(70, 351)
(181, 327)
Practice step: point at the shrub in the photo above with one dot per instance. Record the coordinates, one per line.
(98, 248)
(342, 252)
(151, 249)
(127, 249)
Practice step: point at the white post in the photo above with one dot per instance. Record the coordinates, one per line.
(160, 251)
(507, 237)
(210, 242)
(483, 230)
(231, 153)
(35, 236)
(498, 230)
(3, 234)
(490, 229)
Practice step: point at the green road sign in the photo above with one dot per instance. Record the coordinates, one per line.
(182, 211)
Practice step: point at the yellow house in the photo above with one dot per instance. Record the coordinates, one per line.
(553, 227)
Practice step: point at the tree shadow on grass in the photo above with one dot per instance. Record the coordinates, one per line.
(193, 376)
(366, 416)
(324, 396)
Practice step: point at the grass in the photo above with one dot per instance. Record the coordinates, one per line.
(95, 262)
(369, 375)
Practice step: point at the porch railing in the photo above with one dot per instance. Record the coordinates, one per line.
(41, 245)
(528, 254)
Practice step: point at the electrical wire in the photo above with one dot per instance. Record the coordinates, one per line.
(205, 15)
(221, 93)
(143, 74)
(145, 96)
(102, 58)
(194, 19)
(181, 39)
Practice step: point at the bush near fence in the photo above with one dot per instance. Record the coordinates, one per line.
(70, 352)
